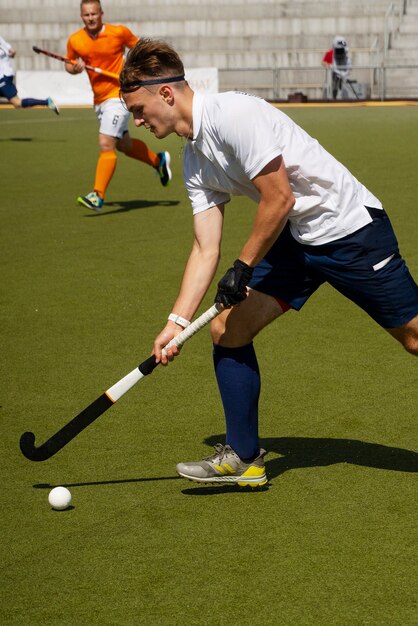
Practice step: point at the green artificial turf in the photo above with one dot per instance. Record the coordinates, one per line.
(334, 539)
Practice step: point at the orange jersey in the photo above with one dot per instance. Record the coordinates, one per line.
(105, 51)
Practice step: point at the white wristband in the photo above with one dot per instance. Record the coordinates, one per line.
(177, 319)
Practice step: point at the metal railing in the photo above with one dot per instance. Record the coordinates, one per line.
(393, 18)
(374, 81)
(380, 79)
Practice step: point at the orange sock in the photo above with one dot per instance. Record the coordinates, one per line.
(141, 152)
(105, 169)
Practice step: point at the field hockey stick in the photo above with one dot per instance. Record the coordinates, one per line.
(108, 398)
(98, 70)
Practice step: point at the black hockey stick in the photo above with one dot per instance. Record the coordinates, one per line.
(108, 398)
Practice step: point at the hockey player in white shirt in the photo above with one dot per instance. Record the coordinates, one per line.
(8, 88)
(315, 223)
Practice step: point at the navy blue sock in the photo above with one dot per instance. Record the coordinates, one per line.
(238, 380)
(32, 102)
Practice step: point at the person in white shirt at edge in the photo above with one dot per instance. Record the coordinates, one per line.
(7, 87)
(315, 223)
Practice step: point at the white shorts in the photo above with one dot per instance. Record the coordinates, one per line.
(113, 117)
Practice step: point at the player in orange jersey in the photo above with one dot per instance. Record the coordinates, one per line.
(103, 45)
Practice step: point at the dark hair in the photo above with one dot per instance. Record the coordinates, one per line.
(150, 58)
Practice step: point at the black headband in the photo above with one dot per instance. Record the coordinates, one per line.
(151, 81)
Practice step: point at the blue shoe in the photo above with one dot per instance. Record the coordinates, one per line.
(91, 201)
(53, 106)
(163, 168)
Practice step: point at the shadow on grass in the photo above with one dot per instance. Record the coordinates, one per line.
(296, 452)
(16, 139)
(123, 206)
(299, 452)
(27, 139)
(105, 482)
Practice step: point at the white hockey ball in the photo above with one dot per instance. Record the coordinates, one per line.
(59, 498)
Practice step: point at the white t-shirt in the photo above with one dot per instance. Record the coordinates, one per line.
(236, 135)
(6, 67)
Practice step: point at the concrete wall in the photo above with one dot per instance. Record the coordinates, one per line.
(229, 35)
(233, 34)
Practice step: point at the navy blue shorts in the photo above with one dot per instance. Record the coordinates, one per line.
(356, 265)
(7, 87)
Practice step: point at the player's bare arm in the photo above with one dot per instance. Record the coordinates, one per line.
(276, 201)
(75, 68)
(273, 210)
(197, 277)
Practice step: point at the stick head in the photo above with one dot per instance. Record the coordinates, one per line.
(36, 49)
(27, 445)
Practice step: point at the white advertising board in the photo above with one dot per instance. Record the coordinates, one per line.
(66, 89)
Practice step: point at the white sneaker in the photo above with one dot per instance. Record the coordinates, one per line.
(225, 466)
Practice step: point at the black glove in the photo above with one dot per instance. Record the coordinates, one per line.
(232, 287)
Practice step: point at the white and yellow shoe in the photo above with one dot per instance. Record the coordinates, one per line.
(226, 467)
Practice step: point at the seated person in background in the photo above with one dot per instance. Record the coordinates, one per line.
(339, 61)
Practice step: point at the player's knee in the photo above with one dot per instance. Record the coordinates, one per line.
(230, 333)
(217, 329)
(106, 143)
(407, 335)
(410, 344)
